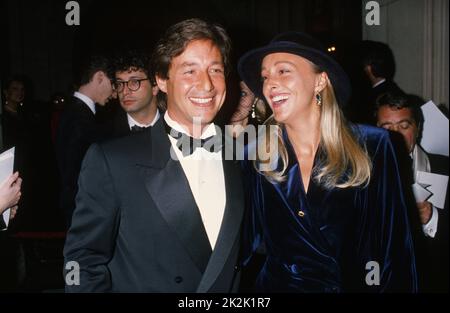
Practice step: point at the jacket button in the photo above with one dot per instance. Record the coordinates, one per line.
(237, 268)
(301, 213)
(178, 279)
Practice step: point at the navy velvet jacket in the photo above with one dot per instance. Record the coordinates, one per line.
(322, 241)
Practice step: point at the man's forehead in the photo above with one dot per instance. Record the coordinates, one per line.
(131, 72)
(394, 114)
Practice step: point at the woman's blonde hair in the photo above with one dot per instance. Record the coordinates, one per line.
(345, 162)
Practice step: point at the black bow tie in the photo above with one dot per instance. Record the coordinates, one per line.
(187, 144)
(136, 129)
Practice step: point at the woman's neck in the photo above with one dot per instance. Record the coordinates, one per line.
(11, 106)
(304, 134)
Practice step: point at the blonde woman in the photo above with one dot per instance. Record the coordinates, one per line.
(331, 216)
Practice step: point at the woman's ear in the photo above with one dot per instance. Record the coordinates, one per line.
(321, 82)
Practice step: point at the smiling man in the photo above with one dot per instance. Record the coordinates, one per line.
(148, 222)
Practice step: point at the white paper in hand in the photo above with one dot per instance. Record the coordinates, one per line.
(435, 130)
(437, 186)
(420, 192)
(6, 169)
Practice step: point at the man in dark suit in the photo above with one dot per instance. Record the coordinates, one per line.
(137, 92)
(149, 217)
(378, 64)
(402, 114)
(77, 128)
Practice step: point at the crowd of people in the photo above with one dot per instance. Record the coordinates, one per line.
(143, 213)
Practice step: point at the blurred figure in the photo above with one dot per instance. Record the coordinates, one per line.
(402, 114)
(378, 64)
(13, 117)
(57, 105)
(251, 110)
(78, 129)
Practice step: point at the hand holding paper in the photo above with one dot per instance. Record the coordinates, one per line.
(434, 183)
(9, 184)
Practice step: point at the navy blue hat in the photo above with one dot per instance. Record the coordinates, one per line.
(301, 44)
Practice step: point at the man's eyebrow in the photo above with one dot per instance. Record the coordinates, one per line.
(132, 77)
(186, 64)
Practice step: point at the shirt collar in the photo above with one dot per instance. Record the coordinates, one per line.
(209, 131)
(88, 101)
(379, 83)
(132, 122)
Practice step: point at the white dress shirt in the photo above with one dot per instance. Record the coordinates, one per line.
(379, 83)
(88, 101)
(421, 163)
(204, 172)
(132, 122)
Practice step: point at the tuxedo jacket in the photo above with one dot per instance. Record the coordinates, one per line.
(119, 126)
(77, 130)
(436, 260)
(431, 253)
(137, 228)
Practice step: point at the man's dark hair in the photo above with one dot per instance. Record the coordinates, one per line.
(133, 60)
(178, 36)
(91, 65)
(401, 101)
(380, 57)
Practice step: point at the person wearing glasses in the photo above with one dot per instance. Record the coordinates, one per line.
(137, 93)
(77, 128)
(401, 113)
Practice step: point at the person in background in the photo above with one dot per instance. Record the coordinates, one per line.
(401, 113)
(77, 128)
(137, 92)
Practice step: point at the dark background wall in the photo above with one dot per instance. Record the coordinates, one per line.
(37, 42)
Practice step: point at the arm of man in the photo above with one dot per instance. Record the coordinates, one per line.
(91, 238)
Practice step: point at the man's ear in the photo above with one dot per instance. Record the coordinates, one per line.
(162, 83)
(155, 90)
(98, 77)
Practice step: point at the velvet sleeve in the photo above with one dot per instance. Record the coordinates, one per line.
(383, 231)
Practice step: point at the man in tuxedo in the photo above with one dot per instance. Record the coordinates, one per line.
(137, 92)
(150, 218)
(77, 128)
(402, 114)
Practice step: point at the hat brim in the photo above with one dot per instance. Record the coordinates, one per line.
(249, 67)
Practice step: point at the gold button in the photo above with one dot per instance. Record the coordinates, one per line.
(301, 213)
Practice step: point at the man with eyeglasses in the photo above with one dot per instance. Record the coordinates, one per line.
(402, 114)
(137, 92)
(77, 128)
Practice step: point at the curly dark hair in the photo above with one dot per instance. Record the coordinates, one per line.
(133, 60)
(178, 36)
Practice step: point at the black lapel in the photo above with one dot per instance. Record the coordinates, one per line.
(121, 127)
(169, 188)
(231, 223)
